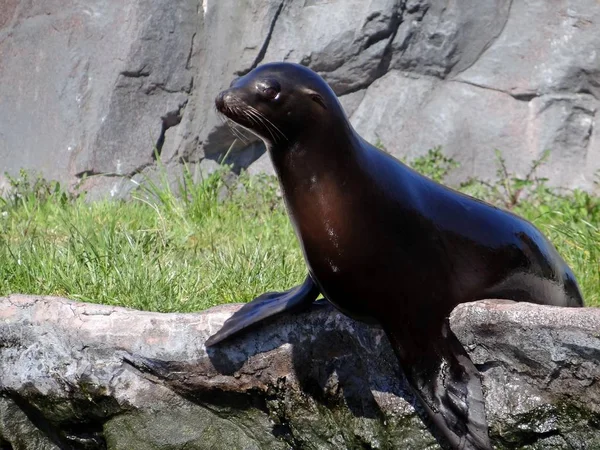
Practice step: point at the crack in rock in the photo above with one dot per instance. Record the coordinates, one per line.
(386, 58)
(169, 120)
(140, 73)
(362, 44)
(491, 42)
(188, 64)
(263, 50)
(520, 96)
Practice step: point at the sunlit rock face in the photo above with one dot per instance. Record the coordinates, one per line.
(94, 90)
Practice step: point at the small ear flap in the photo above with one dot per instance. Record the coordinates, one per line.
(318, 99)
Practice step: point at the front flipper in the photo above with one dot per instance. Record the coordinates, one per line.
(446, 383)
(265, 306)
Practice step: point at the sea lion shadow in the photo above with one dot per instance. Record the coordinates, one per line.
(334, 359)
(331, 358)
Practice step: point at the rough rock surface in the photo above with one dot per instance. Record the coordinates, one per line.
(88, 88)
(76, 375)
(91, 88)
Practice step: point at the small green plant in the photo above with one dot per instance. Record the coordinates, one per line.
(29, 190)
(510, 189)
(434, 164)
(379, 144)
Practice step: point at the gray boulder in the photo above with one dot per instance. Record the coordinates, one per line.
(89, 89)
(76, 375)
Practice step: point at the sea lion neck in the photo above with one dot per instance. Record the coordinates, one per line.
(333, 153)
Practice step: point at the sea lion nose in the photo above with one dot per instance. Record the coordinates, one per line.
(220, 101)
(224, 99)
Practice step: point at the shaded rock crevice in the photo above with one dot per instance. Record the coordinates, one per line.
(386, 57)
(188, 62)
(83, 430)
(139, 73)
(169, 120)
(40, 422)
(370, 51)
(491, 41)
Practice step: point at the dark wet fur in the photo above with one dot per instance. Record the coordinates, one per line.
(385, 244)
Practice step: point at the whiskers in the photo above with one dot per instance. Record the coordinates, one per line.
(236, 129)
(259, 119)
(250, 119)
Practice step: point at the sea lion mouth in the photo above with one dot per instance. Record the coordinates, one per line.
(240, 112)
(233, 108)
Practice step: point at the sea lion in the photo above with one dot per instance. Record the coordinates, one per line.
(387, 245)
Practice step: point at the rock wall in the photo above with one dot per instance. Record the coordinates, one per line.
(82, 376)
(91, 88)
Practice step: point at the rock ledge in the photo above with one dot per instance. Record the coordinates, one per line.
(75, 375)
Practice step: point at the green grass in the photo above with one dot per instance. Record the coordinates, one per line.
(221, 240)
(156, 252)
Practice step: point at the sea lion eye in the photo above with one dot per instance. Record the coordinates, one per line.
(269, 89)
(318, 99)
(270, 93)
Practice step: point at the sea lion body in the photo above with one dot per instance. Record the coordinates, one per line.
(387, 245)
(407, 227)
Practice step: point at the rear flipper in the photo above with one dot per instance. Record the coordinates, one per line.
(446, 383)
(265, 306)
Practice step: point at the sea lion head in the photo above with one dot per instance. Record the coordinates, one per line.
(280, 101)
